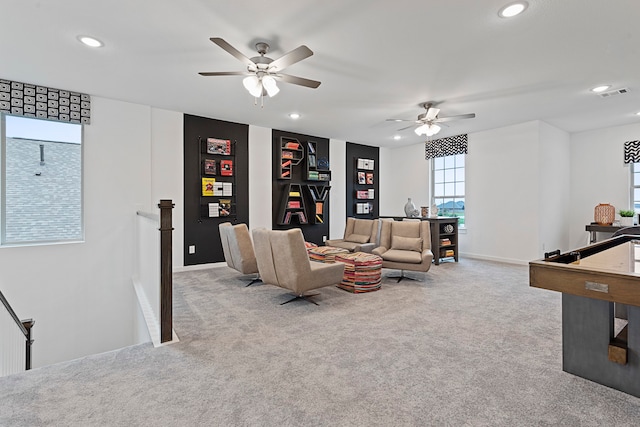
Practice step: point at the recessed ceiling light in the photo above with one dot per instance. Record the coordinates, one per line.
(599, 89)
(397, 137)
(638, 113)
(294, 116)
(513, 9)
(90, 41)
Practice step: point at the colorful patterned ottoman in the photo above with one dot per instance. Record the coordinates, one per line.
(325, 253)
(362, 272)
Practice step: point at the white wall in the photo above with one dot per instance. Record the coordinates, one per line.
(338, 193)
(502, 172)
(598, 175)
(408, 171)
(167, 177)
(554, 189)
(80, 294)
(260, 184)
(386, 182)
(504, 192)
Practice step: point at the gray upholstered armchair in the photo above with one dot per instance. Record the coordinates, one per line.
(405, 245)
(238, 249)
(283, 261)
(360, 235)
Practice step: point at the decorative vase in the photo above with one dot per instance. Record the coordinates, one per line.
(604, 214)
(424, 211)
(434, 211)
(410, 209)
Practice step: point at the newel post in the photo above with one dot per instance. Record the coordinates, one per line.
(166, 270)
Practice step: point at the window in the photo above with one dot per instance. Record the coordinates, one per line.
(448, 185)
(41, 181)
(635, 187)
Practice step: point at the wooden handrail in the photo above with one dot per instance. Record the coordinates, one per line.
(13, 315)
(153, 217)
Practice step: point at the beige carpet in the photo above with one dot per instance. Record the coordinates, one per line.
(469, 344)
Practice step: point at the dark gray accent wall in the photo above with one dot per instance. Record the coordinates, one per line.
(354, 152)
(312, 232)
(201, 231)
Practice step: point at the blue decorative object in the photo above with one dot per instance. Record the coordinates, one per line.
(323, 163)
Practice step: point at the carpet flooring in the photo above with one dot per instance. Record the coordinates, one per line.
(469, 344)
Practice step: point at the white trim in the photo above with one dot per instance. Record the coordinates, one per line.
(199, 267)
(153, 326)
(493, 258)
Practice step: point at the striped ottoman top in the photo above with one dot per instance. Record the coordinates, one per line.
(325, 253)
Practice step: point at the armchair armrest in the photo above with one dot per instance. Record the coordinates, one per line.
(367, 247)
(380, 250)
(427, 256)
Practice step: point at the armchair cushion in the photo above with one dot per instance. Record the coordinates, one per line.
(406, 243)
(360, 235)
(238, 248)
(408, 256)
(363, 227)
(358, 238)
(264, 256)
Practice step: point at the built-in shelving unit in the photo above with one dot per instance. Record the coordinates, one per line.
(291, 154)
(319, 195)
(444, 238)
(292, 207)
(316, 168)
(301, 183)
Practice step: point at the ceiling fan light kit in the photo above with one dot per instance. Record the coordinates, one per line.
(262, 72)
(427, 121)
(428, 129)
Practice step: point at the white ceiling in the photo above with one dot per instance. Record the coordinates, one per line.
(376, 59)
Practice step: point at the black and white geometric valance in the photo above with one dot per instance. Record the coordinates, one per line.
(632, 152)
(446, 146)
(23, 99)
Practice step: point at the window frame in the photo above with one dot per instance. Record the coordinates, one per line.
(3, 190)
(635, 168)
(455, 196)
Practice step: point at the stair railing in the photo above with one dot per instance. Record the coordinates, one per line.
(153, 277)
(15, 343)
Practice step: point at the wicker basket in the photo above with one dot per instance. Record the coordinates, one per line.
(604, 214)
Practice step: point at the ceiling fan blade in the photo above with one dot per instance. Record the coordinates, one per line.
(451, 118)
(296, 55)
(298, 80)
(432, 113)
(226, 73)
(232, 50)
(407, 127)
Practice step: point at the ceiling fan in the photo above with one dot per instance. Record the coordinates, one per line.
(428, 121)
(263, 72)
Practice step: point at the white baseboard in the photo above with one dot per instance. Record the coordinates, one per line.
(199, 267)
(493, 258)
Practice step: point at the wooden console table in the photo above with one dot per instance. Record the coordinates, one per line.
(594, 227)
